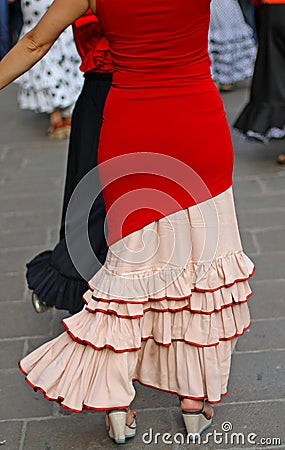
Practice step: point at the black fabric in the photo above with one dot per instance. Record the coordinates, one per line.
(51, 274)
(266, 108)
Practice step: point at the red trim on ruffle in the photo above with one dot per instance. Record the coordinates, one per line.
(60, 399)
(195, 289)
(116, 300)
(183, 308)
(106, 346)
(150, 299)
(190, 397)
(174, 299)
(237, 334)
(194, 343)
(21, 369)
(144, 339)
(121, 316)
(239, 280)
(111, 312)
(228, 305)
(113, 408)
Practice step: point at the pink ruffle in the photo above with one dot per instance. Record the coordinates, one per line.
(177, 283)
(124, 330)
(79, 378)
(186, 319)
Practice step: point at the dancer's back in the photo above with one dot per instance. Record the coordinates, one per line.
(163, 100)
(164, 40)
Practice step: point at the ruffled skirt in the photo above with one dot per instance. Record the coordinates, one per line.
(165, 309)
(231, 43)
(263, 118)
(55, 81)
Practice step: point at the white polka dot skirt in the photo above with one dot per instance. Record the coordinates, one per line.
(56, 81)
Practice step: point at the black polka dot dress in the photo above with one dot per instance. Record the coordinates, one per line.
(55, 82)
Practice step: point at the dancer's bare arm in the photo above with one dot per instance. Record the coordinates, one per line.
(35, 44)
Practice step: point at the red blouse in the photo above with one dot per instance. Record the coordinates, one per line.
(92, 46)
(271, 2)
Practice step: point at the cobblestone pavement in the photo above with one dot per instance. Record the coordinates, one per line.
(31, 180)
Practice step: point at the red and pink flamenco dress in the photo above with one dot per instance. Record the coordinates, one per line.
(169, 303)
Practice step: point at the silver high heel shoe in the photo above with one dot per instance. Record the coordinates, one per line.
(117, 427)
(196, 422)
(39, 305)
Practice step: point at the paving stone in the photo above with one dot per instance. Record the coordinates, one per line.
(27, 161)
(23, 238)
(56, 325)
(260, 220)
(18, 320)
(53, 235)
(37, 160)
(15, 260)
(19, 125)
(2, 178)
(264, 335)
(10, 433)
(12, 287)
(248, 242)
(18, 400)
(147, 397)
(269, 266)
(275, 184)
(258, 155)
(33, 344)
(271, 241)
(253, 422)
(52, 320)
(250, 160)
(86, 432)
(35, 202)
(19, 157)
(51, 180)
(22, 126)
(268, 299)
(83, 432)
(256, 376)
(246, 188)
(159, 421)
(31, 185)
(30, 171)
(30, 220)
(9, 165)
(33, 152)
(10, 354)
(235, 99)
(262, 202)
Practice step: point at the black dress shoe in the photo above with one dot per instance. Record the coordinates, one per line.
(39, 305)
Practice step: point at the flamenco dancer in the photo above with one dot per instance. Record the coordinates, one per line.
(51, 275)
(171, 299)
(231, 44)
(263, 118)
(53, 85)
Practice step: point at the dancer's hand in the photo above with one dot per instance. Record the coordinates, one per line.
(35, 44)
